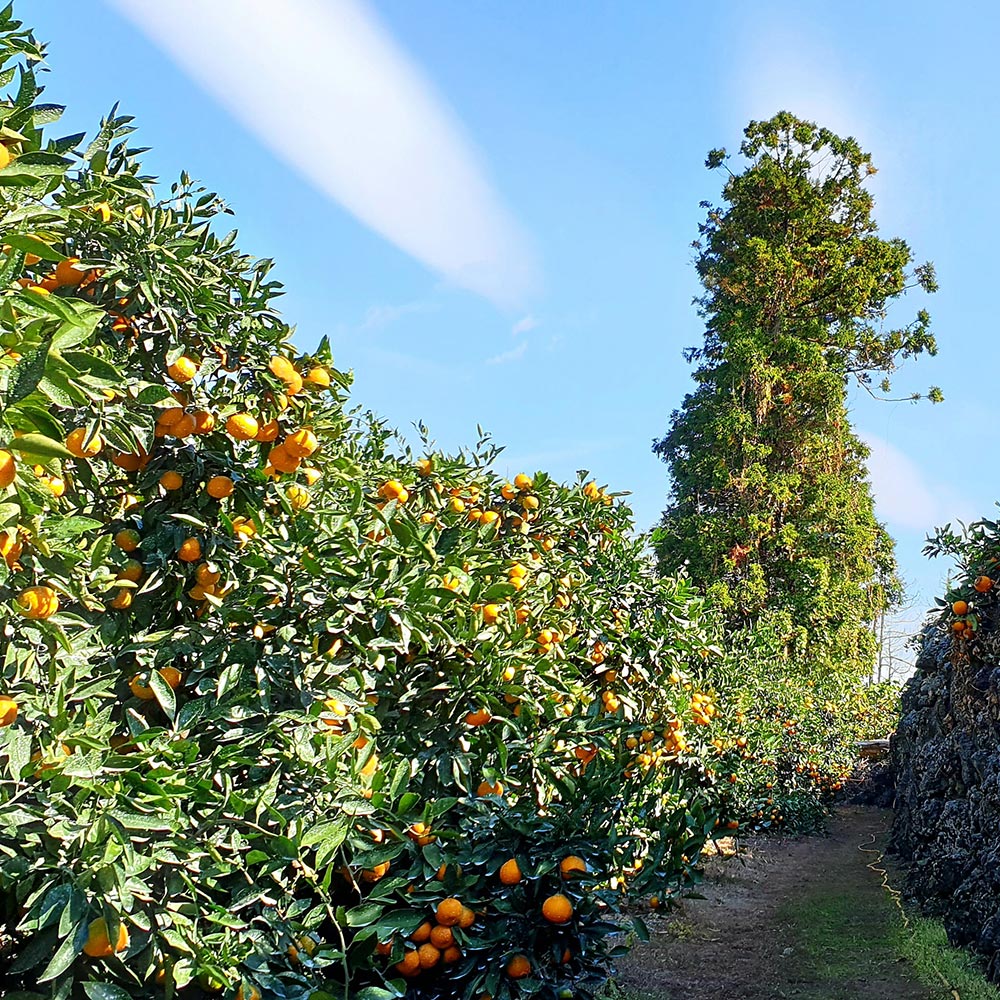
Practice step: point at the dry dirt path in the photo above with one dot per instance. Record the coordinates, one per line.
(803, 918)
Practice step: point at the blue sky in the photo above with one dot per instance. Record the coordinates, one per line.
(522, 261)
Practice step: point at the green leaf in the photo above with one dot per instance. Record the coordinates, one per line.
(93, 366)
(362, 916)
(38, 444)
(63, 958)
(71, 527)
(32, 245)
(164, 694)
(153, 394)
(27, 373)
(105, 991)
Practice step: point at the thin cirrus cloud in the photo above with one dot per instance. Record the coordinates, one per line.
(509, 357)
(905, 497)
(372, 133)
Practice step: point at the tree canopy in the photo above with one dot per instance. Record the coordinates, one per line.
(771, 508)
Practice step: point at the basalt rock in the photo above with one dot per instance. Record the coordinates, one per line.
(946, 755)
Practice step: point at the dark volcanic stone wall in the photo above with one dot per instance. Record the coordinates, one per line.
(947, 760)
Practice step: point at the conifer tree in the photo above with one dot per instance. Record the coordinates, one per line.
(770, 507)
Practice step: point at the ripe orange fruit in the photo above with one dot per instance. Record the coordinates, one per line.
(251, 994)
(421, 834)
(394, 490)
(572, 865)
(982, 584)
(38, 602)
(518, 967)
(171, 480)
(467, 919)
(318, 378)
(429, 956)
(10, 547)
(557, 909)
(410, 965)
(172, 676)
(376, 873)
(8, 711)
(77, 443)
(122, 600)
(242, 427)
(140, 688)
(170, 416)
(244, 529)
(960, 608)
(510, 872)
(523, 482)
(477, 718)
(98, 944)
(298, 497)
(183, 428)
(183, 369)
(190, 550)
(128, 539)
(301, 443)
(449, 912)
(283, 368)
(491, 612)
(442, 937)
(204, 422)
(282, 460)
(8, 469)
(219, 487)
(485, 788)
(451, 955)
(68, 274)
(422, 933)
(129, 461)
(5, 161)
(206, 575)
(266, 433)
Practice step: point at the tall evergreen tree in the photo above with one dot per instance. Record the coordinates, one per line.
(770, 507)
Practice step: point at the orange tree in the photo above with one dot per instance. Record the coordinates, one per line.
(786, 743)
(286, 710)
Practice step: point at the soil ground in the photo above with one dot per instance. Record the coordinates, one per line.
(804, 918)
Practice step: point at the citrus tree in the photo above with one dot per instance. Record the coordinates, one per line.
(286, 709)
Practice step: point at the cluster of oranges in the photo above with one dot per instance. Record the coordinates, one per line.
(67, 274)
(963, 625)
(703, 708)
(434, 943)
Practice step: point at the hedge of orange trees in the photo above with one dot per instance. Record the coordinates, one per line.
(287, 709)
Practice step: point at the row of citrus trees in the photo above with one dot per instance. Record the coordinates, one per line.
(287, 710)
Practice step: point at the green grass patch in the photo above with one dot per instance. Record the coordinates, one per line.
(847, 939)
(925, 944)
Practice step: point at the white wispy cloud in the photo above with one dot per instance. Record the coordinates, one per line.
(905, 496)
(327, 89)
(784, 68)
(382, 315)
(507, 357)
(525, 325)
